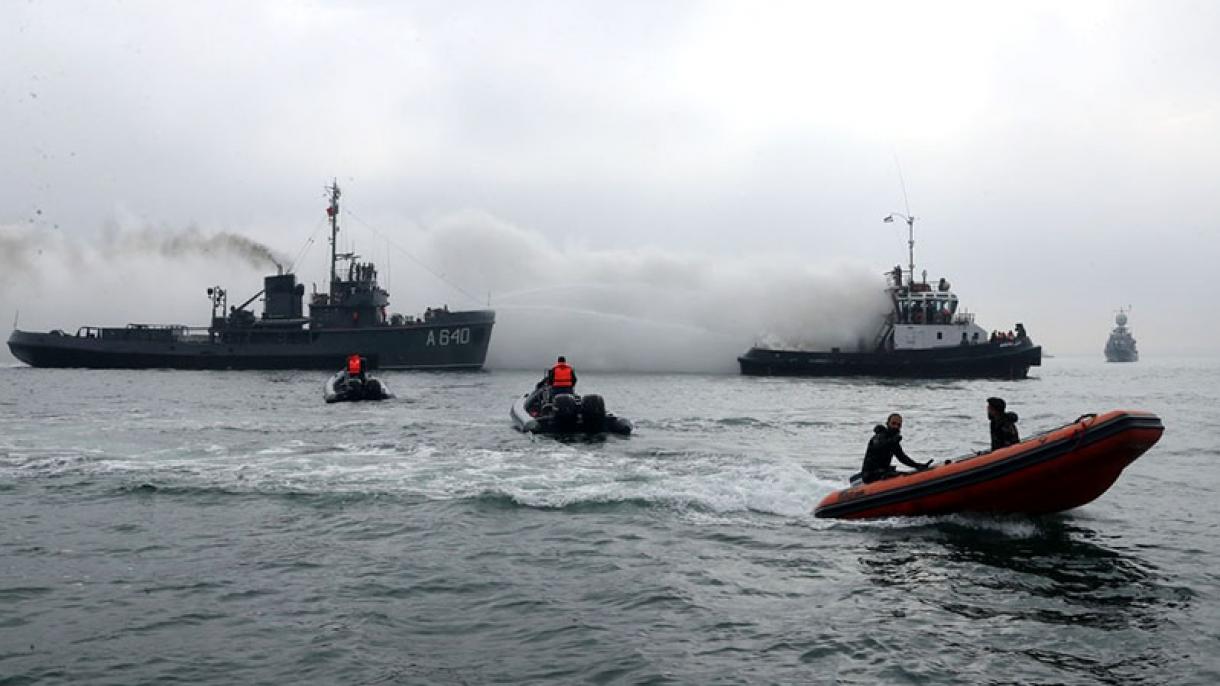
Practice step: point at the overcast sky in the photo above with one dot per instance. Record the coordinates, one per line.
(677, 164)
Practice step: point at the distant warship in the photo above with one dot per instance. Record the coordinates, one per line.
(923, 335)
(350, 317)
(1121, 345)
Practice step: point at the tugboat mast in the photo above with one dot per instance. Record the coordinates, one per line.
(910, 238)
(333, 213)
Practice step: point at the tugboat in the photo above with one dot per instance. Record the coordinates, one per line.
(1121, 345)
(923, 335)
(350, 316)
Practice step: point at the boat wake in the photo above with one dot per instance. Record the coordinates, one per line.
(557, 476)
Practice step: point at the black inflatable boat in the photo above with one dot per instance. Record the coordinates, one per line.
(345, 388)
(565, 414)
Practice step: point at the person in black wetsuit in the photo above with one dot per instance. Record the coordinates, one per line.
(883, 447)
(1003, 424)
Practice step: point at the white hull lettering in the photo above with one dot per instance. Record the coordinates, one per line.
(459, 336)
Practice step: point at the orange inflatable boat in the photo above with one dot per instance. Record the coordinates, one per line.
(1058, 470)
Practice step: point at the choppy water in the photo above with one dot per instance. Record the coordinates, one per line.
(220, 528)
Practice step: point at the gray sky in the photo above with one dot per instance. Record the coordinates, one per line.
(681, 171)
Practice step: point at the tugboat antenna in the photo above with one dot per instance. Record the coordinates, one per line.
(911, 244)
(333, 212)
(902, 182)
(910, 238)
(908, 217)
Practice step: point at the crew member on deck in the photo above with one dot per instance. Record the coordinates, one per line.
(883, 447)
(1003, 424)
(561, 378)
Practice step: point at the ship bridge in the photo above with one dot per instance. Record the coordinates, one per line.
(920, 303)
(925, 315)
(355, 299)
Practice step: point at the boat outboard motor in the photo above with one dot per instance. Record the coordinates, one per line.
(373, 390)
(592, 412)
(565, 410)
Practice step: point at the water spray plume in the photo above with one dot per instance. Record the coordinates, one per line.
(646, 309)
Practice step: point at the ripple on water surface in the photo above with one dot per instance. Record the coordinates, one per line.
(227, 527)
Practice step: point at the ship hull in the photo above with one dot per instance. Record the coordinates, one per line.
(458, 342)
(1121, 353)
(999, 361)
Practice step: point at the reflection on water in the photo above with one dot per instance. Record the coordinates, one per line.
(1053, 575)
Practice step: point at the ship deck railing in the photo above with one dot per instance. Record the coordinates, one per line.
(136, 332)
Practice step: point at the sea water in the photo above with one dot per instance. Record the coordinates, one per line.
(231, 527)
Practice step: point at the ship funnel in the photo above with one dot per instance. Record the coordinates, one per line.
(283, 297)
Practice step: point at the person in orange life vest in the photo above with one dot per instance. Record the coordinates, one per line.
(355, 366)
(561, 378)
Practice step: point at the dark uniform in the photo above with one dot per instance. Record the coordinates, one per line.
(1003, 424)
(882, 448)
(1004, 430)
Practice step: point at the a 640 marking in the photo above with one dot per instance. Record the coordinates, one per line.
(459, 336)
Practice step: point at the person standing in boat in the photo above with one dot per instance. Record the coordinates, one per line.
(561, 378)
(355, 366)
(1003, 424)
(884, 446)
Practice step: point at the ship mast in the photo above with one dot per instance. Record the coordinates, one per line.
(910, 238)
(333, 213)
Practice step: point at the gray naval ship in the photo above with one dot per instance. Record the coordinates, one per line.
(349, 318)
(1120, 347)
(923, 335)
